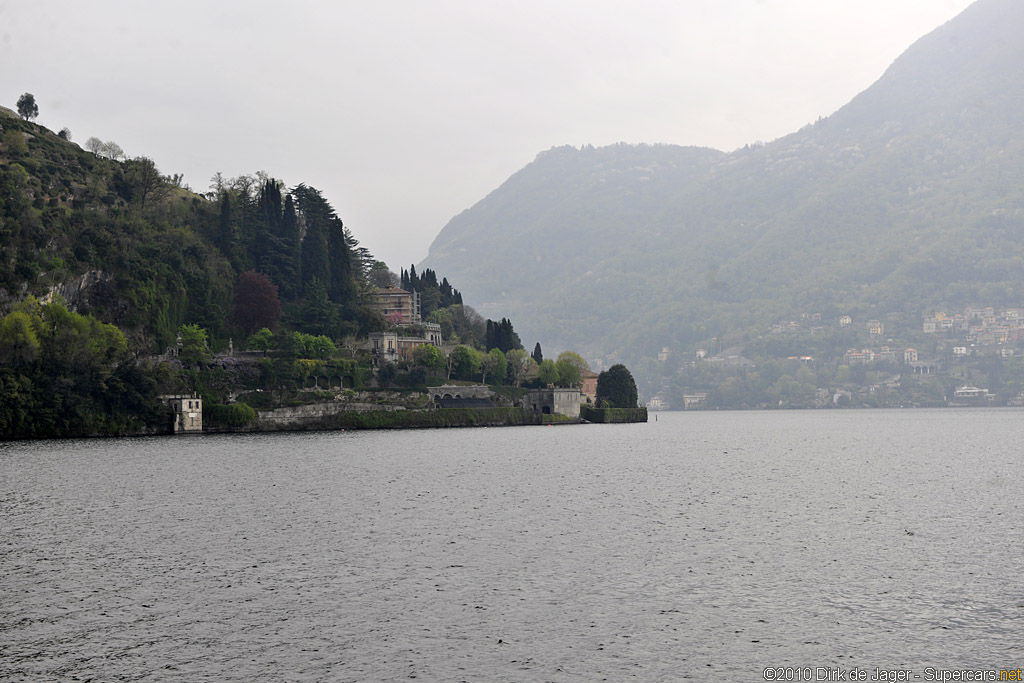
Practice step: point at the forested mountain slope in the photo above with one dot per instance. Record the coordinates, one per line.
(907, 199)
(104, 260)
(121, 241)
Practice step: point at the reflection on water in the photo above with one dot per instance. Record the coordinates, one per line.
(703, 545)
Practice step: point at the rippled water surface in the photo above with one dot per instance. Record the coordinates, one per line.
(704, 545)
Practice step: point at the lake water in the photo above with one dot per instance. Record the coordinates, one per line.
(703, 546)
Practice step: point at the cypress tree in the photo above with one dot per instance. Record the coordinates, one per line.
(446, 293)
(429, 279)
(506, 336)
(317, 214)
(491, 342)
(225, 237)
(538, 355)
(342, 285)
(289, 253)
(263, 236)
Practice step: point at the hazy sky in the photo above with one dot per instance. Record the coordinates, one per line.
(406, 113)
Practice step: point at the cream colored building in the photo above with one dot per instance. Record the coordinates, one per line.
(187, 411)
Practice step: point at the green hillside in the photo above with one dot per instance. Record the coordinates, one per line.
(119, 285)
(105, 260)
(909, 199)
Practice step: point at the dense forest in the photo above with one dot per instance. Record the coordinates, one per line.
(157, 255)
(107, 264)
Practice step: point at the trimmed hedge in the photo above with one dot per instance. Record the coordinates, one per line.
(613, 415)
(230, 415)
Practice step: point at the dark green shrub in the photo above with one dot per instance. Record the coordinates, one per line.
(230, 415)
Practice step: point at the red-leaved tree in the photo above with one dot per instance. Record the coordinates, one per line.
(256, 304)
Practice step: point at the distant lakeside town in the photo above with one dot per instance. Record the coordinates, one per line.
(969, 357)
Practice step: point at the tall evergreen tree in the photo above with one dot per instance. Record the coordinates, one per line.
(265, 227)
(538, 355)
(507, 337)
(362, 260)
(287, 252)
(446, 293)
(316, 215)
(225, 235)
(341, 287)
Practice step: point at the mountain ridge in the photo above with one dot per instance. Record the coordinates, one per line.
(859, 211)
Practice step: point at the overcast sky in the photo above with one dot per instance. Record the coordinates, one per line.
(405, 113)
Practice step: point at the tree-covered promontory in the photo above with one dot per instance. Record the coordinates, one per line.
(119, 284)
(94, 248)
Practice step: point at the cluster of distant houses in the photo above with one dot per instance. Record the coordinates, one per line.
(909, 357)
(981, 326)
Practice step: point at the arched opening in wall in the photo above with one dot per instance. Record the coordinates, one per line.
(546, 410)
(447, 395)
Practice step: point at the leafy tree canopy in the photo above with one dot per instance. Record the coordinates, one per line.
(493, 363)
(63, 374)
(616, 388)
(256, 303)
(547, 373)
(519, 364)
(465, 362)
(192, 339)
(568, 373)
(429, 356)
(27, 107)
(574, 359)
(309, 346)
(261, 340)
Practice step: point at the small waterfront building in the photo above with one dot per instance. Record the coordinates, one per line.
(695, 400)
(186, 413)
(553, 400)
(970, 394)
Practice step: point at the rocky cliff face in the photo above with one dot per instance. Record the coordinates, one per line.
(88, 291)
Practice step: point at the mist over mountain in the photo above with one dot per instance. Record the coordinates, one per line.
(908, 199)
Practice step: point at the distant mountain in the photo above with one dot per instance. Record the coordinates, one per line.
(909, 198)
